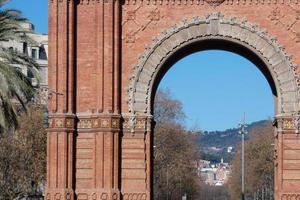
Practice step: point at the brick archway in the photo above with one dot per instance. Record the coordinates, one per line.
(104, 68)
(216, 28)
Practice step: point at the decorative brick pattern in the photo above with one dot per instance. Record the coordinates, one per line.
(290, 21)
(99, 122)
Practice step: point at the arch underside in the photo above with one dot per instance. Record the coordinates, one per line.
(215, 32)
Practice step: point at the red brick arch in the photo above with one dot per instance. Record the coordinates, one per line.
(106, 58)
(217, 29)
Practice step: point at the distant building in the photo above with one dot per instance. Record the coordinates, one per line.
(39, 52)
(214, 174)
(229, 149)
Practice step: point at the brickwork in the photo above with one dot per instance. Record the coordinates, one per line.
(106, 58)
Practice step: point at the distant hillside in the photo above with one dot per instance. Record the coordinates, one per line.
(214, 144)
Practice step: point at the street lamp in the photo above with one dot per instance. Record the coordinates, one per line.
(243, 131)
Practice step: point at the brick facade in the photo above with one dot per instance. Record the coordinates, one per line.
(106, 58)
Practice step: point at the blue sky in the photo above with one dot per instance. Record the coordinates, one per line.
(35, 10)
(215, 87)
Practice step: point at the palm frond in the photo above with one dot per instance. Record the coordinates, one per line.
(15, 88)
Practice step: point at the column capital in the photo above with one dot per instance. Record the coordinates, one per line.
(137, 123)
(289, 123)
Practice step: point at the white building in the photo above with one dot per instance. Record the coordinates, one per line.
(39, 52)
(214, 175)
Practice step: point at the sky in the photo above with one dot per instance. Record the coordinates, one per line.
(34, 10)
(215, 87)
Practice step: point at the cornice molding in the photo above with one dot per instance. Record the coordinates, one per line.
(213, 3)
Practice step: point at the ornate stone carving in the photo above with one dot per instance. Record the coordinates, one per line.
(98, 194)
(135, 25)
(99, 122)
(134, 196)
(214, 26)
(129, 122)
(104, 196)
(141, 124)
(214, 3)
(135, 123)
(289, 21)
(288, 124)
(60, 122)
(87, 123)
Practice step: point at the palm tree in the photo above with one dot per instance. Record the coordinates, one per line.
(15, 87)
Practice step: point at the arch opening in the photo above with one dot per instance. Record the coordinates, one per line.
(214, 44)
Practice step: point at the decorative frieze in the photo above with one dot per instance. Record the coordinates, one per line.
(291, 123)
(59, 194)
(134, 196)
(132, 123)
(100, 194)
(99, 122)
(210, 2)
(61, 122)
(214, 3)
(288, 124)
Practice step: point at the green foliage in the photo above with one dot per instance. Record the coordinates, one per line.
(175, 152)
(23, 156)
(15, 87)
(259, 163)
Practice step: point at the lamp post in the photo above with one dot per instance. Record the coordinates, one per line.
(243, 131)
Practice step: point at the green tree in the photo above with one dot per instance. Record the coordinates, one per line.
(15, 87)
(23, 156)
(259, 163)
(175, 153)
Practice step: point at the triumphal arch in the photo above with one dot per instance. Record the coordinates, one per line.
(106, 59)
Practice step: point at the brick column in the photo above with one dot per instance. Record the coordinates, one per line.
(97, 157)
(60, 157)
(60, 147)
(137, 144)
(287, 154)
(98, 100)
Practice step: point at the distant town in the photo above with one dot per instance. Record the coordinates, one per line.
(213, 174)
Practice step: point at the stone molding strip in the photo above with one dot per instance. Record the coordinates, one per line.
(214, 26)
(61, 122)
(101, 122)
(211, 2)
(288, 123)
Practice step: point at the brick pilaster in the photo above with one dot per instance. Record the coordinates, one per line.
(137, 144)
(287, 159)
